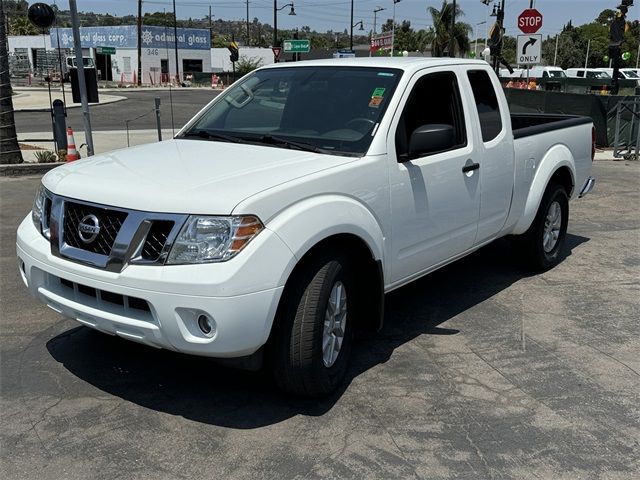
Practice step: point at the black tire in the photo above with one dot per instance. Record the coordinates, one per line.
(530, 245)
(296, 347)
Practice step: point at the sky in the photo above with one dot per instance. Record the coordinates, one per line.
(323, 15)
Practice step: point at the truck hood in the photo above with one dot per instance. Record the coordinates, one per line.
(184, 176)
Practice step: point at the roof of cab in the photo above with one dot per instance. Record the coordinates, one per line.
(403, 63)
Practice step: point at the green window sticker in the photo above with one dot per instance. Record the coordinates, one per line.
(378, 92)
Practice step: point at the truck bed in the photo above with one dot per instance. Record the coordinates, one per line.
(527, 124)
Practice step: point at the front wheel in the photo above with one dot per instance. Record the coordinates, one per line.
(314, 332)
(540, 247)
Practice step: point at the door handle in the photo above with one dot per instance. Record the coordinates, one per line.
(470, 167)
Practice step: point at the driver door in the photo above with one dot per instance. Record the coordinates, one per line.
(435, 197)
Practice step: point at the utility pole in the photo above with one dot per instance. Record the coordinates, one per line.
(275, 23)
(82, 86)
(393, 27)
(210, 25)
(139, 44)
(175, 41)
(586, 58)
(375, 17)
(452, 40)
(248, 33)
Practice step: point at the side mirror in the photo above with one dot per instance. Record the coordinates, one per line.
(431, 138)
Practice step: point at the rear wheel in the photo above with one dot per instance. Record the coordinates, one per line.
(314, 329)
(540, 247)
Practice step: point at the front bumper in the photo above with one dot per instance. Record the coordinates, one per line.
(241, 297)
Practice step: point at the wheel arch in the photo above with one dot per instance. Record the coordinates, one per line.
(558, 165)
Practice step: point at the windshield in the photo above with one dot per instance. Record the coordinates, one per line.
(630, 74)
(327, 109)
(87, 62)
(598, 75)
(556, 74)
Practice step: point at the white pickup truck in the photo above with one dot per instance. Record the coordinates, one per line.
(272, 225)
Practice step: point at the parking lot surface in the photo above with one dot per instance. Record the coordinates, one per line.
(482, 371)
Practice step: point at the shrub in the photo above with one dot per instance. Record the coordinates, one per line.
(45, 156)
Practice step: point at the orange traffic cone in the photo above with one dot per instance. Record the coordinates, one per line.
(72, 153)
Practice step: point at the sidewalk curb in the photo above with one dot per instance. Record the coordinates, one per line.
(24, 169)
(46, 109)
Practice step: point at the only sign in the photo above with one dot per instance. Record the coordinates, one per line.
(530, 21)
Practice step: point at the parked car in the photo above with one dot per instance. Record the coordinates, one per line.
(623, 74)
(587, 73)
(71, 62)
(270, 228)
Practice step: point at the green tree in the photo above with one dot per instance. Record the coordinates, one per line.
(245, 65)
(597, 37)
(606, 17)
(442, 30)
(509, 45)
(22, 26)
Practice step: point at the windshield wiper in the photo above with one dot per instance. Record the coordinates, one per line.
(212, 136)
(280, 141)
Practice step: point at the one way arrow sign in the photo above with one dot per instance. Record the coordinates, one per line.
(529, 49)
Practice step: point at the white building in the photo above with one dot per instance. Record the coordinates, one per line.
(158, 50)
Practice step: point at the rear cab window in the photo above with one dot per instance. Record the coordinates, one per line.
(487, 105)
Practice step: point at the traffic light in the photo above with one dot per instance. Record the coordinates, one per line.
(235, 51)
(624, 6)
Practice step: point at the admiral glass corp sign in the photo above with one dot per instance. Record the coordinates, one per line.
(125, 37)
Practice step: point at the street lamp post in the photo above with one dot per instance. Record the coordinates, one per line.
(360, 29)
(393, 27)
(375, 15)
(275, 20)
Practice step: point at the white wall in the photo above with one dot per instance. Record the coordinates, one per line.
(220, 57)
(29, 42)
(150, 57)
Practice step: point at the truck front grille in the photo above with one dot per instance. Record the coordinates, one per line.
(156, 239)
(109, 222)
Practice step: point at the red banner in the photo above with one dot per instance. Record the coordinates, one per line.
(381, 41)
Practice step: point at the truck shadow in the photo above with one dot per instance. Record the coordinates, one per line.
(201, 390)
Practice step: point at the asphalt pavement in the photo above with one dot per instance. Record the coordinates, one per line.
(186, 103)
(482, 371)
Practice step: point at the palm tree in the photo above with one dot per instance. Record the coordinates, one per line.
(442, 30)
(9, 149)
(22, 26)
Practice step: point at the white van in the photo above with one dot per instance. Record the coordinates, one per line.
(623, 73)
(543, 72)
(587, 73)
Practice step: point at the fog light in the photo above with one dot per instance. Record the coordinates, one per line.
(206, 325)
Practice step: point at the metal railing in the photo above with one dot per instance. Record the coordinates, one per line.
(156, 110)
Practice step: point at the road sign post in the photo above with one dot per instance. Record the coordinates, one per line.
(530, 21)
(529, 49)
(106, 50)
(296, 46)
(276, 52)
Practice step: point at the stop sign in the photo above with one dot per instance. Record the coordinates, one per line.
(530, 21)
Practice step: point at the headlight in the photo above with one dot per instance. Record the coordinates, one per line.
(37, 212)
(213, 239)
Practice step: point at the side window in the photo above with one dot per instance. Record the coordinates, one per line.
(434, 100)
(581, 73)
(486, 104)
